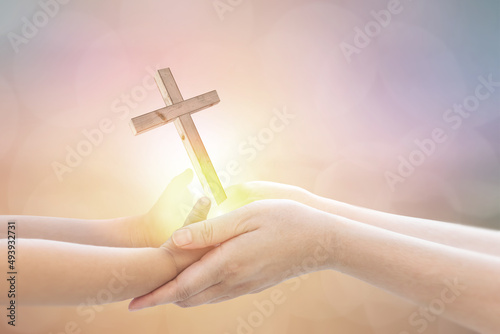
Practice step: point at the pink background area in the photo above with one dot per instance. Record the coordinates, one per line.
(92, 62)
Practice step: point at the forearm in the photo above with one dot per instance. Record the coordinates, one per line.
(460, 283)
(455, 235)
(109, 232)
(60, 273)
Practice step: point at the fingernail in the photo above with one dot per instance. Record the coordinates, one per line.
(204, 201)
(133, 308)
(182, 237)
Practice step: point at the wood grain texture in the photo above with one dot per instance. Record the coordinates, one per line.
(187, 130)
(157, 118)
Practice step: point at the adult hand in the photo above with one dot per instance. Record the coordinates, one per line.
(182, 258)
(261, 245)
(178, 259)
(245, 193)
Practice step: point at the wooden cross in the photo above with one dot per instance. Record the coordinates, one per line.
(179, 111)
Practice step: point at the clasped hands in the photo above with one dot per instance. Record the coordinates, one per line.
(269, 233)
(258, 244)
(273, 232)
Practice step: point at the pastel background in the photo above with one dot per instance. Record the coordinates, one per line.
(91, 63)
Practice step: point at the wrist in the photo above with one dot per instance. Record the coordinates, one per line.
(330, 240)
(168, 256)
(156, 267)
(306, 197)
(316, 236)
(327, 205)
(301, 195)
(132, 231)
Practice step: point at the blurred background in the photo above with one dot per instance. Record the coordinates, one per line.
(339, 97)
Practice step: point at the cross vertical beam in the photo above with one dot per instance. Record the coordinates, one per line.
(190, 137)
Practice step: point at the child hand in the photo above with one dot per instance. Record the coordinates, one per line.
(166, 216)
(255, 247)
(183, 258)
(180, 258)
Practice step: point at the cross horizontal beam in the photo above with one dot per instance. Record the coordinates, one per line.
(157, 118)
(179, 111)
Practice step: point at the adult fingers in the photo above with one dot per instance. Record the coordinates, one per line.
(220, 300)
(219, 293)
(237, 196)
(206, 296)
(214, 231)
(194, 279)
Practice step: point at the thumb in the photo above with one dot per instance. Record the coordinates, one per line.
(199, 211)
(212, 232)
